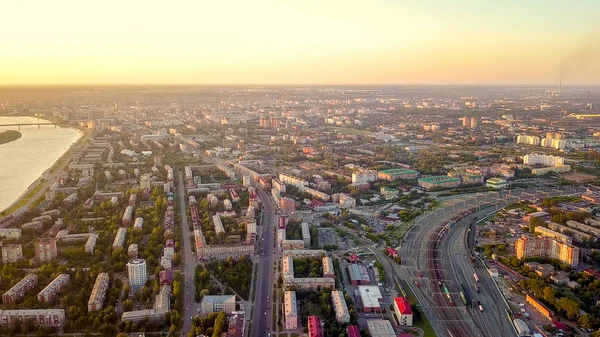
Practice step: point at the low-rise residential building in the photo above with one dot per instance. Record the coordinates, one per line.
(138, 223)
(45, 249)
(17, 292)
(90, 244)
(347, 201)
(340, 307)
(10, 233)
(52, 318)
(305, 233)
(132, 250)
(496, 183)
(119, 238)
(328, 269)
(290, 310)
(353, 331)
(98, 294)
(216, 303)
(53, 289)
(127, 216)
(292, 244)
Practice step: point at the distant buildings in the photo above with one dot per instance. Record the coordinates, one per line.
(548, 248)
(45, 249)
(17, 292)
(542, 159)
(364, 177)
(216, 303)
(435, 182)
(52, 289)
(496, 183)
(290, 310)
(397, 173)
(11, 253)
(136, 272)
(98, 294)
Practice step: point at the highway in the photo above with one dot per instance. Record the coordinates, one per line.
(262, 320)
(437, 257)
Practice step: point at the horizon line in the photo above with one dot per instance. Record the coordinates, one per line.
(293, 84)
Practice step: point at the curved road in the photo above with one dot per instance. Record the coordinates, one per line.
(450, 260)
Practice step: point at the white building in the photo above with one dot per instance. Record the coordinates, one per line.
(328, 270)
(216, 303)
(90, 244)
(542, 159)
(403, 311)
(340, 307)
(251, 226)
(138, 223)
(529, 140)
(136, 272)
(290, 310)
(364, 177)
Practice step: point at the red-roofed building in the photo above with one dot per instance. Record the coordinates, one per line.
(392, 252)
(403, 311)
(560, 326)
(314, 327)
(166, 276)
(316, 203)
(353, 331)
(353, 258)
(592, 272)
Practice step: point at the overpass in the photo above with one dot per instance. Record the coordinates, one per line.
(18, 125)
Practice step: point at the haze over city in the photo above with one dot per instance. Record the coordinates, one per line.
(300, 168)
(300, 42)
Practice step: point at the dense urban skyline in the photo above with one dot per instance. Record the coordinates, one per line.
(268, 42)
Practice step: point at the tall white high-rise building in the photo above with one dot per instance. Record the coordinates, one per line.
(542, 159)
(529, 140)
(136, 271)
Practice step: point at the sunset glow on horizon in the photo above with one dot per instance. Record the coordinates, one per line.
(300, 42)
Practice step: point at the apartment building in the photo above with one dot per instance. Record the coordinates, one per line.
(397, 173)
(52, 318)
(315, 329)
(90, 244)
(53, 288)
(305, 234)
(137, 273)
(328, 269)
(340, 307)
(546, 232)
(127, 216)
(435, 182)
(17, 292)
(45, 249)
(98, 294)
(548, 248)
(11, 253)
(290, 310)
(119, 238)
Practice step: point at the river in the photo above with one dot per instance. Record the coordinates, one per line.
(24, 160)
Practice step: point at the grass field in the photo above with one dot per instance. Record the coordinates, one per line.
(399, 231)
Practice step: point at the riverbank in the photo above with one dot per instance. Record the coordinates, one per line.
(9, 136)
(37, 188)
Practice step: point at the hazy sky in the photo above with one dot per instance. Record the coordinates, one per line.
(300, 41)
